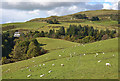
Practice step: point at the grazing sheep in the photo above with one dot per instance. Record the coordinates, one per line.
(96, 53)
(103, 53)
(28, 75)
(43, 64)
(62, 64)
(84, 54)
(70, 55)
(42, 75)
(113, 55)
(50, 71)
(40, 65)
(99, 61)
(108, 64)
(8, 70)
(29, 69)
(53, 64)
(59, 55)
(33, 61)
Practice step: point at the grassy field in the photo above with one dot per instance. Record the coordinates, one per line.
(79, 60)
(33, 26)
(55, 44)
(26, 25)
(76, 64)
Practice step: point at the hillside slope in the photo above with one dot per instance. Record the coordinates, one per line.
(51, 44)
(79, 63)
(108, 20)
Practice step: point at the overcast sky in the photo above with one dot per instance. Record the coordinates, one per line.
(24, 10)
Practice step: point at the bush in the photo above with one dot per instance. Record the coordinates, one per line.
(5, 60)
(95, 19)
(53, 21)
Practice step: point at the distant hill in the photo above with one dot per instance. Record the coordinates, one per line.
(102, 14)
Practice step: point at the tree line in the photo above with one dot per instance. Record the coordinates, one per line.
(80, 34)
(22, 48)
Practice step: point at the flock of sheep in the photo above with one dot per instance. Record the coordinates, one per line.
(107, 64)
(62, 65)
(42, 74)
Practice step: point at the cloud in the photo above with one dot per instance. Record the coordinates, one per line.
(36, 12)
(20, 16)
(96, 6)
(20, 10)
(34, 5)
(74, 9)
(48, 1)
(113, 5)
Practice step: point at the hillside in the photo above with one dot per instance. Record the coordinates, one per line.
(108, 19)
(78, 46)
(54, 44)
(79, 63)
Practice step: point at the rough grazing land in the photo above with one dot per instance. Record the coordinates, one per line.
(76, 62)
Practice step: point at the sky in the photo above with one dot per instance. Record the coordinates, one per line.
(24, 10)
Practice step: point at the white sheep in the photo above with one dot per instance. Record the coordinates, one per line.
(33, 61)
(108, 64)
(99, 61)
(53, 64)
(84, 54)
(29, 69)
(50, 71)
(113, 55)
(28, 75)
(40, 65)
(59, 55)
(103, 53)
(96, 53)
(43, 64)
(70, 55)
(62, 64)
(42, 75)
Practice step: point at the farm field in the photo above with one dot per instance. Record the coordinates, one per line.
(64, 59)
(79, 62)
(55, 44)
(33, 26)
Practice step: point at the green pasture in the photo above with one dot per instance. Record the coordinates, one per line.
(76, 64)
